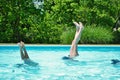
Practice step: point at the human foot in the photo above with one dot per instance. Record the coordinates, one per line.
(81, 25)
(77, 25)
(21, 44)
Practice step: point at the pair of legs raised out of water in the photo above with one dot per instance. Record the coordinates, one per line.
(25, 56)
(74, 45)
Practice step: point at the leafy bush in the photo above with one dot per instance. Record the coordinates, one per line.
(90, 35)
(99, 35)
(117, 37)
(67, 36)
(20, 20)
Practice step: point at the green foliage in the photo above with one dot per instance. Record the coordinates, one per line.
(20, 20)
(67, 36)
(117, 37)
(91, 34)
(97, 35)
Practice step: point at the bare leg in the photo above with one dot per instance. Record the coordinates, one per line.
(26, 54)
(22, 54)
(73, 50)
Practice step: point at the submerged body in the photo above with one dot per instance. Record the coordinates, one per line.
(30, 62)
(115, 61)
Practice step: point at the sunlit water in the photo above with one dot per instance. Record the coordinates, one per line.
(93, 63)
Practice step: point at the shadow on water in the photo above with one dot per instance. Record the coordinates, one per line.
(27, 68)
(117, 65)
(75, 63)
(24, 68)
(72, 62)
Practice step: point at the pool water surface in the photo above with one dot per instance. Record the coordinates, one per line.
(93, 63)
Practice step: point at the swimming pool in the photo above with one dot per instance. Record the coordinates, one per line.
(93, 63)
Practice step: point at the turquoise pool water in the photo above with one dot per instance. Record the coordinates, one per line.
(93, 63)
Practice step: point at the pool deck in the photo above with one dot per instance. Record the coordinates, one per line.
(15, 44)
